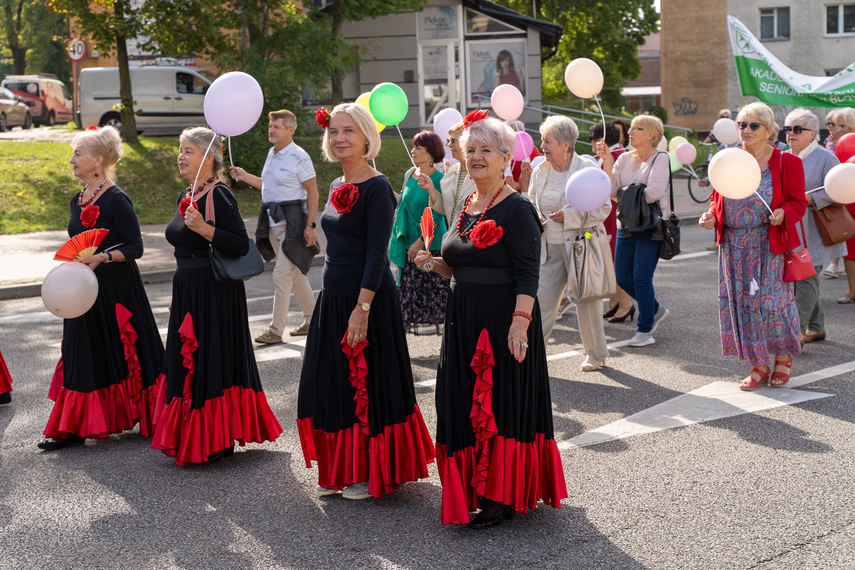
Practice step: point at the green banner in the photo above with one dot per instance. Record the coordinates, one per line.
(762, 75)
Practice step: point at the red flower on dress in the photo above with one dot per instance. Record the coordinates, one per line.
(474, 117)
(184, 204)
(89, 215)
(485, 234)
(322, 116)
(344, 198)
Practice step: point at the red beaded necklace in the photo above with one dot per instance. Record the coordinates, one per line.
(202, 185)
(484, 213)
(91, 199)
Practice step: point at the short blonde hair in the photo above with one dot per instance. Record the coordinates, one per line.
(847, 114)
(104, 142)
(492, 132)
(363, 120)
(201, 137)
(652, 124)
(760, 110)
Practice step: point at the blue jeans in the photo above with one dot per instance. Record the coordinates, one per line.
(635, 261)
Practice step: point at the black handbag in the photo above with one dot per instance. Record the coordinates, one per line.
(669, 228)
(229, 268)
(633, 211)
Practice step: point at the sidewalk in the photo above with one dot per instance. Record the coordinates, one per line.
(25, 259)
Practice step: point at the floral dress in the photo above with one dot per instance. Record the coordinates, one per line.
(758, 313)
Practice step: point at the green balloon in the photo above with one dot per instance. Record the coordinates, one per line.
(388, 103)
(675, 162)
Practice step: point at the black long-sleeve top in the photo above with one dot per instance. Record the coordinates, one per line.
(116, 214)
(230, 233)
(357, 242)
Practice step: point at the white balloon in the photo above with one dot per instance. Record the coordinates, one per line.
(840, 183)
(233, 103)
(70, 290)
(584, 78)
(734, 173)
(444, 120)
(725, 131)
(663, 145)
(537, 161)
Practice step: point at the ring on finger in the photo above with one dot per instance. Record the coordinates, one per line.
(524, 345)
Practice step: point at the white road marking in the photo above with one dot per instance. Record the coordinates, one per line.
(711, 402)
(693, 255)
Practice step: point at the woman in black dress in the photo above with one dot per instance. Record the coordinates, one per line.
(509, 459)
(356, 410)
(213, 395)
(106, 380)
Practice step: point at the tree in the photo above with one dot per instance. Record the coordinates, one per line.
(13, 25)
(606, 31)
(110, 23)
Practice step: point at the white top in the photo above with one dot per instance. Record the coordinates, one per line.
(655, 172)
(283, 175)
(551, 200)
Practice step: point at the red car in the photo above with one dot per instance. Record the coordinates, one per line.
(47, 97)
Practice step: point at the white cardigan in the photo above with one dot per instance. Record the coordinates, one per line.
(447, 185)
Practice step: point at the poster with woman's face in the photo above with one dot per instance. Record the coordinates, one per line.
(491, 63)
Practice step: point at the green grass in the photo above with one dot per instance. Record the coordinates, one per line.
(38, 184)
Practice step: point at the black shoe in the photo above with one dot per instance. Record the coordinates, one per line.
(6, 398)
(227, 452)
(55, 444)
(482, 521)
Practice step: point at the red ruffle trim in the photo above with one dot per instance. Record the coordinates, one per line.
(189, 345)
(483, 422)
(518, 475)
(5, 377)
(397, 455)
(358, 378)
(109, 410)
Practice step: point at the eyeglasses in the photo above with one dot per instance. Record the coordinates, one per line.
(636, 129)
(453, 140)
(798, 129)
(754, 126)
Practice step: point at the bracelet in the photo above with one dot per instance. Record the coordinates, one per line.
(522, 314)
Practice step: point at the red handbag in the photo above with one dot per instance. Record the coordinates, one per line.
(797, 266)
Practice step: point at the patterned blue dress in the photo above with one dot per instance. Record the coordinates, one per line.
(758, 313)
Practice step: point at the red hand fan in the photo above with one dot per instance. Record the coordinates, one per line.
(427, 226)
(81, 246)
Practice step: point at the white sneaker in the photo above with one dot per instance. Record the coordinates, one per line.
(831, 270)
(325, 492)
(357, 491)
(642, 339)
(660, 316)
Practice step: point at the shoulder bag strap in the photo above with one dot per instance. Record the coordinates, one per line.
(210, 211)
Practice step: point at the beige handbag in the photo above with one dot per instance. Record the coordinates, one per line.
(592, 270)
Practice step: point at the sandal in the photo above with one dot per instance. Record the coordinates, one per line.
(592, 364)
(781, 378)
(751, 383)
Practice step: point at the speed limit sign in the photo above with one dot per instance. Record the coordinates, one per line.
(76, 50)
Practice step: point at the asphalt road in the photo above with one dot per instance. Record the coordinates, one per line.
(770, 488)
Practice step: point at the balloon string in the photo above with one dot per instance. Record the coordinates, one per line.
(198, 172)
(601, 115)
(405, 146)
(815, 190)
(231, 162)
(765, 204)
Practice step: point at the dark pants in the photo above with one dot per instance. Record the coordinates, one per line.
(635, 261)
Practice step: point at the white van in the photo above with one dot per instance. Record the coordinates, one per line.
(167, 99)
(48, 97)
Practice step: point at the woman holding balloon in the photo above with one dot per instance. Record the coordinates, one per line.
(456, 185)
(106, 380)
(356, 408)
(759, 318)
(213, 395)
(637, 254)
(562, 221)
(841, 123)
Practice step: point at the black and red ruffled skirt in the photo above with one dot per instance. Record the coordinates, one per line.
(494, 435)
(212, 396)
(356, 410)
(106, 380)
(5, 377)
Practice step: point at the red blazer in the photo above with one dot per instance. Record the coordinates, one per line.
(788, 192)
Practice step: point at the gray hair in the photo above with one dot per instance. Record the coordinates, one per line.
(802, 115)
(491, 132)
(201, 137)
(517, 126)
(562, 128)
(104, 142)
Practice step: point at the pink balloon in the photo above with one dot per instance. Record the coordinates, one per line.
(523, 145)
(686, 153)
(507, 102)
(588, 189)
(233, 103)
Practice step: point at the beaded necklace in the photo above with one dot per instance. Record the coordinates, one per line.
(91, 199)
(481, 219)
(202, 185)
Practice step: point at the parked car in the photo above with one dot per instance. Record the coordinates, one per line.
(167, 99)
(48, 97)
(13, 111)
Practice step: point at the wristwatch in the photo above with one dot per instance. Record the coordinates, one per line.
(313, 225)
(428, 266)
(365, 306)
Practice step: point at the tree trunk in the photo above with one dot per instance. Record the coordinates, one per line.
(126, 99)
(337, 78)
(12, 26)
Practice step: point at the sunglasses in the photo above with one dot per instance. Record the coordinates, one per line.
(453, 140)
(743, 125)
(798, 129)
(831, 124)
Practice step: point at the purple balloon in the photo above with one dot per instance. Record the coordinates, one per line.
(523, 145)
(588, 189)
(233, 104)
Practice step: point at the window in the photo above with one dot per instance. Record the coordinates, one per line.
(775, 24)
(188, 83)
(840, 19)
(478, 24)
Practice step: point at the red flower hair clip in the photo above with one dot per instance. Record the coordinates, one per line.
(474, 117)
(92, 128)
(322, 116)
